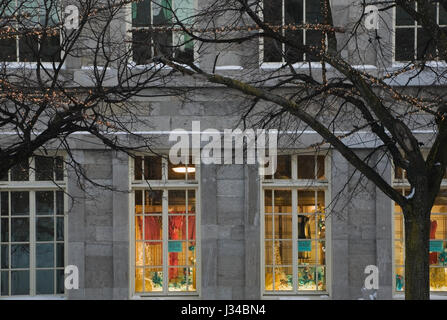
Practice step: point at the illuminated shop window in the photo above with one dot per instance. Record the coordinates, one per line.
(411, 41)
(32, 228)
(165, 227)
(438, 236)
(147, 14)
(291, 13)
(294, 226)
(438, 244)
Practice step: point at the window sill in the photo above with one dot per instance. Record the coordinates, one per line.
(171, 297)
(39, 297)
(30, 65)
(431, 64)
(300, 65)
(433, 296)
(317, 296)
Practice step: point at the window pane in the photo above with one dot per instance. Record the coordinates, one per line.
(141, 13)
(4, 289)
(292, 53)
(4, 256)
(438, 228)
(399, 253)
(45, 282)
(398, 227)
(306, 278)
(51, 48)
(152, 168)
(141, 47)
(178, 254)
(313, 12)
(191, 228)
(8, 49)
(59, 168)
(314, 39)
(19, 256)
(192, 253)
(181, 279)
(191, 201)
(306, 227)
(177, 201)
(138, 168)
(306, 167)
(404, 49)
(442, 15)
(60, 259)
(272, 50)
(177, 228)
(283, 278)
(284, 168)
(20, 172)
(438, 279)
(153, 201)
(162, 16)
(20, 203)
(440, 205)
(268, 278)
(153, 228)
(176, 172)
(4, 204)
(20, 282)
(307, 252)
(28, 48)
(19, 229)
(400, 276)
(154, 253)
(44, 202)
(321, 278)
(283, 226)
(293, 10)
(320, 168)
(269, 249)
(45, 255)
(403, 18)
(60, 278)
(283, 252)
(426, 46)
(138, 201)
(268, 226)
(44, 168)
(306, 201)
(60, 203)
(153, 280)
(268, 205)
(60, 229)
(4, 230)
(45, 229)
(283, 201)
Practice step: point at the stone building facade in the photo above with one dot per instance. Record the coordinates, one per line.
(230, 202)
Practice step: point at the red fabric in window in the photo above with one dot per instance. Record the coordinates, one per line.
(433, 255)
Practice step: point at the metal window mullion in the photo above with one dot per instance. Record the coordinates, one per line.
(295, 239)
(165, 240)
(10, 244)
(187, 232)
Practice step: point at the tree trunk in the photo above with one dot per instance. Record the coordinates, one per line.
(417, 241)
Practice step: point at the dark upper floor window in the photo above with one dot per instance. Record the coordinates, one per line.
(287, 14)
(31, 33)
(411, 41)
(156, 31)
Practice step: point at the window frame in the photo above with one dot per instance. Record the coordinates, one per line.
(33, 64)
(129, 31)
(415, 27)
(402, 184)
(165, 185)
(294, 185)
(32, 186)
(278, 64)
